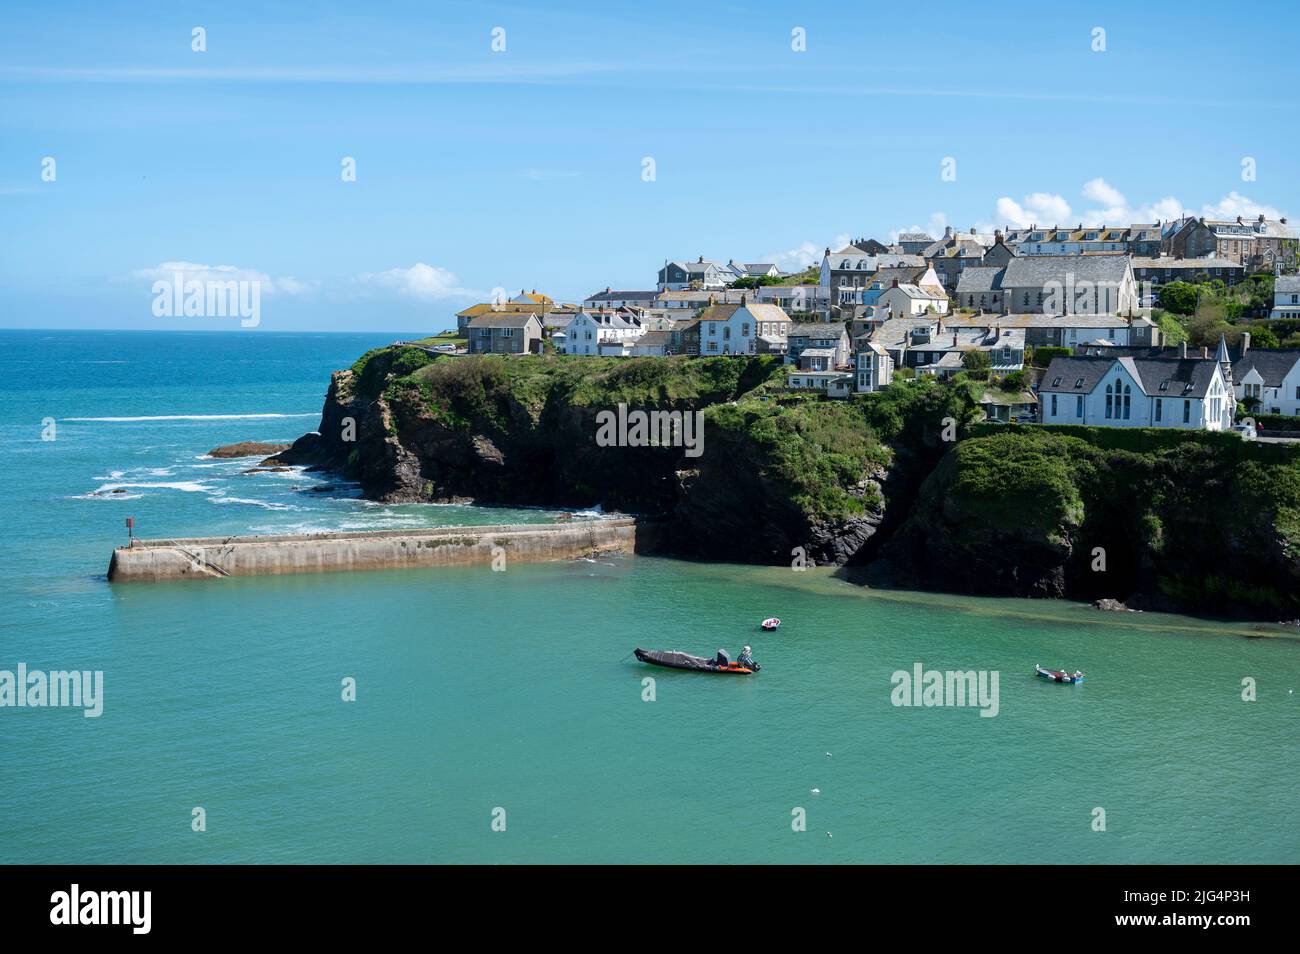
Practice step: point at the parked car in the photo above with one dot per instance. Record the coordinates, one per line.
(1246, 429)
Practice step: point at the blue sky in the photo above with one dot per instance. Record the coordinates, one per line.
(523, 168)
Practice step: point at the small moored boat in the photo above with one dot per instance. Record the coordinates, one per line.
(675, 660)
(1058, 675)
(770, 623)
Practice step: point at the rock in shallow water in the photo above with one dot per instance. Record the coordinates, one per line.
(247, 449)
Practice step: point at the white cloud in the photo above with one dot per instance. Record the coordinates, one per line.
(804, 254)
(1099, 190)
(1234, 204)
(934, 227)
(192, 271)
(1111, 207)
(1037, 208)
(425, 282)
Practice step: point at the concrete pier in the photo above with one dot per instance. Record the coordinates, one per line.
(221, 557)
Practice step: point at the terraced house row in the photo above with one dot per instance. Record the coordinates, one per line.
(935, 306)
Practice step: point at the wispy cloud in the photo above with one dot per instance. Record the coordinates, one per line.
(425, 282)
(192, 271)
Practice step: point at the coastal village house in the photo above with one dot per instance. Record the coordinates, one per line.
(689, 300)
(957, 251)
(1163, 269)
(505, 333)
(679, 276)
(794, 299)
(590, 329)
(873, 367)
(846, 273)
(729, 329)
(1286, 297)
(1261, 243)
(1066, 331)
(825, 335)
(609, 298)
(1183, 392)
(905, 300)
(1267, 380)
(466, 315)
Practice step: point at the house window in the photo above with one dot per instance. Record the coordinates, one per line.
(1053, 405)
(1109, 405)
(1159, 408)
(1078, 406)
(507, 332)
(1187, 412)
(1128, 401)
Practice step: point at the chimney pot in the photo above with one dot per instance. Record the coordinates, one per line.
(1245, 343)
(1182, 350)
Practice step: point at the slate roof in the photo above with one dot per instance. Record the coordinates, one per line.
(1192, 265)
(1286, 284)
(1034, 271)
(502, 320)
(654, 338)
(1273, 365)
(1034, 320)
(610, 295)
(815, 329)
(1158, 377)
(981, 279)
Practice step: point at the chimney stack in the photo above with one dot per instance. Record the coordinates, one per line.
(1245, 343)
(1182, 350)
(895, 285)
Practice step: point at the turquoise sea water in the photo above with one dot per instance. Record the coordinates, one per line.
(479, 690)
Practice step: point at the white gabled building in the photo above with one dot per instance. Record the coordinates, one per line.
(591, 329)
(1182, 392)
(905, 300)
(1270, 376)
(1286, 297)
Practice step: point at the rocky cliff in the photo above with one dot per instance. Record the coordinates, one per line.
(898, 483)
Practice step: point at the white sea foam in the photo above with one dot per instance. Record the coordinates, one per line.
(265, 504)
(189, 486)
(191, 417)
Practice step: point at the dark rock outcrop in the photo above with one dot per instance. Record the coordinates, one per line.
(247, 449)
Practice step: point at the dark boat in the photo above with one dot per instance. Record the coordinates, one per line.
(676, 660)
(1058, 675)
